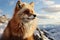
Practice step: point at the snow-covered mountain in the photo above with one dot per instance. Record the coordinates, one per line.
(51, 30)
(3, 19)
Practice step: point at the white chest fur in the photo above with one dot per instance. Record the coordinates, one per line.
(30, 28)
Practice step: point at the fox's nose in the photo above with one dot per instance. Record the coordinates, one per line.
(34, 15)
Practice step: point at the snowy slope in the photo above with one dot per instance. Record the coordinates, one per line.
(51, 30)
(2, 27)
(55, 32)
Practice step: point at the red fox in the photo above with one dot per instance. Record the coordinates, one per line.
(23, 23)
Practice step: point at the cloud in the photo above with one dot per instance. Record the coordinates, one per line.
(48, 19)
(41, 16)
(11, 2)
(48, 2)
(47, 16)
(1, 11)
(52, 8)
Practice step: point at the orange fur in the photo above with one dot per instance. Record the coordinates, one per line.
(22, 25)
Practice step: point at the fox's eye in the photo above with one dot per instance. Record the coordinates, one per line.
(27, 11)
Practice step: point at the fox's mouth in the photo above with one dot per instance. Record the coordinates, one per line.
(28, 19)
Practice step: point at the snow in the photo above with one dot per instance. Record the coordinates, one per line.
(51, 30)
(2, 27)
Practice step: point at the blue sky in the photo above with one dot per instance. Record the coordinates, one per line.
(48, 11)
(7, 6)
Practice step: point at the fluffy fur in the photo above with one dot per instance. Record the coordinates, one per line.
(23, 23)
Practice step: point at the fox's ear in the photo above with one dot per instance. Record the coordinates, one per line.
(19, 4)
(32, 4)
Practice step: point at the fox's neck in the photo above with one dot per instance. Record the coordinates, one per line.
(25, 30)
(17, 29)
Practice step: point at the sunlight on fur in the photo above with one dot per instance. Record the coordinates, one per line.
(30, 28)
(23, 23)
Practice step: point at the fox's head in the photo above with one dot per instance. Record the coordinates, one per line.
(24, 12)
(25, 19)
